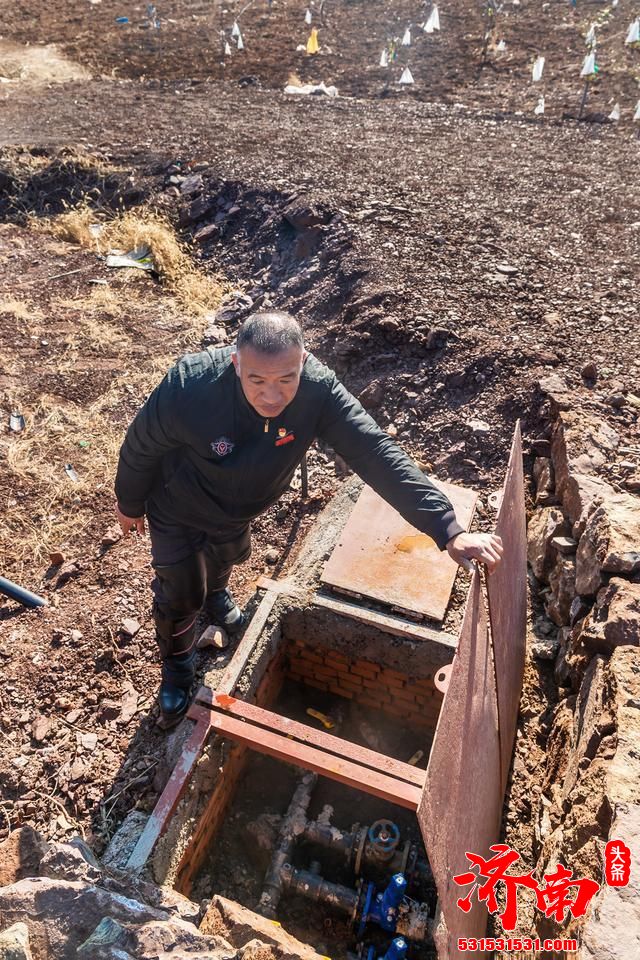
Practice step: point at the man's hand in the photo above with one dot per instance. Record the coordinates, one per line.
(485, 547)
(127, 524)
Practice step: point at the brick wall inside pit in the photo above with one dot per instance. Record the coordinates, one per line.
(413, 699)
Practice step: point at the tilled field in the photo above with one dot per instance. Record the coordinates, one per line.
(443, 259)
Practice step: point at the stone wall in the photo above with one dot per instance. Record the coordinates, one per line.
(584, 551)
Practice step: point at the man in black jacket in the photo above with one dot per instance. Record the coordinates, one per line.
(216, 444)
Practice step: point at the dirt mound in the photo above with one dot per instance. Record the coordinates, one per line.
(37, 65)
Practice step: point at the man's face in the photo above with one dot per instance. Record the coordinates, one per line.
(269, 381)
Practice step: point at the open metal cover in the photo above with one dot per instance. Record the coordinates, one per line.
(507, 595)
(462, 800)
(381, 556)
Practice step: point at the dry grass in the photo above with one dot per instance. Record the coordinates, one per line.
(56, 433)
(195, 291)
(19, 310)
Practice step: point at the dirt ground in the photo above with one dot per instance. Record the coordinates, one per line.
(442, 242)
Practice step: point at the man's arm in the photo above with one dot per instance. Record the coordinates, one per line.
(153, 432)
(385, 467)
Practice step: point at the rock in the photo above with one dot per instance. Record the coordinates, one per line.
(234, 308)
(213, 636)
(213, 336)
(556, 389)
(544, 478)
(272, 555)
(479, 427)
(111, 536)
(633, 483)
(63, 913)
(562, 581)
(241, 926)
(75, 636)
(610, 542)
(564, 545)
(67, 861)
(617, 400)
(191, 185)
(614, 620)
(545, 648)
(206, 233)
(546, 523)
(579, 609)
(66, 572)
(438, 337)
(302, 215)
(130, 627)
(109, 710)
(507, 270)
(373, 395)
(14, 943)
(589, 371)
(20, 855)
(56, 558)
(124, 840)
(157, 940)
(41, 728)
(89, 741)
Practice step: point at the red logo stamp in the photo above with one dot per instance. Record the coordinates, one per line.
(617, 863)
(561, 892)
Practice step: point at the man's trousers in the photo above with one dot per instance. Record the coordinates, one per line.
(188, 565)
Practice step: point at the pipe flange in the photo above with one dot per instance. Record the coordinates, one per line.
(361, 843)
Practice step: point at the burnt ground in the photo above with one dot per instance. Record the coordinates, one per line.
(434, 241)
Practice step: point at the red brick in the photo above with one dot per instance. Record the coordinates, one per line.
(364, 668)
(295, 676)
(372, 684)
(405, 696)
(337, 656)
(340, 692)
(309, 655)
(324, 671)
(390, 674)
(368, 702)
(317, 684)
(392, 682)
(348, 685)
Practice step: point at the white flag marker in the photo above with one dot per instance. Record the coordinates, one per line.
(538, 67)
(235, 29)
(615, 113)
(406, 40)
(590, 38)
(240, 42)
(307, 16)
(227, 50)
(539, 109)
(384, 58)
(633, 35)
(501, 46)
(433, 21)
(589, 65)
(406, 76)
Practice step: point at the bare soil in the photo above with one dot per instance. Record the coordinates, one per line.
(458, 250)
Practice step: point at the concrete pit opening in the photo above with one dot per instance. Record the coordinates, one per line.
(316, 854)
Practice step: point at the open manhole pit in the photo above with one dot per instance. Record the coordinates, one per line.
(320, 874)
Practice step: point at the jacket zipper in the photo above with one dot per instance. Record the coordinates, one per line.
(266, 426)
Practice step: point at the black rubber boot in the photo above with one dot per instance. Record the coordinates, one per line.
(178, 673)
(224, 612)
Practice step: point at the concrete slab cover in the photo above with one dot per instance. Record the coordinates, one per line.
(381, 556)
(462, 798)
(507, 595)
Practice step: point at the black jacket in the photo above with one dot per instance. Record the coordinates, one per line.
(202, 454)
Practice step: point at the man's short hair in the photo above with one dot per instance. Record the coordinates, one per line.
(270, 331)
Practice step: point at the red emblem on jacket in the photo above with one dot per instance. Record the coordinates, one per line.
(284, 436)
